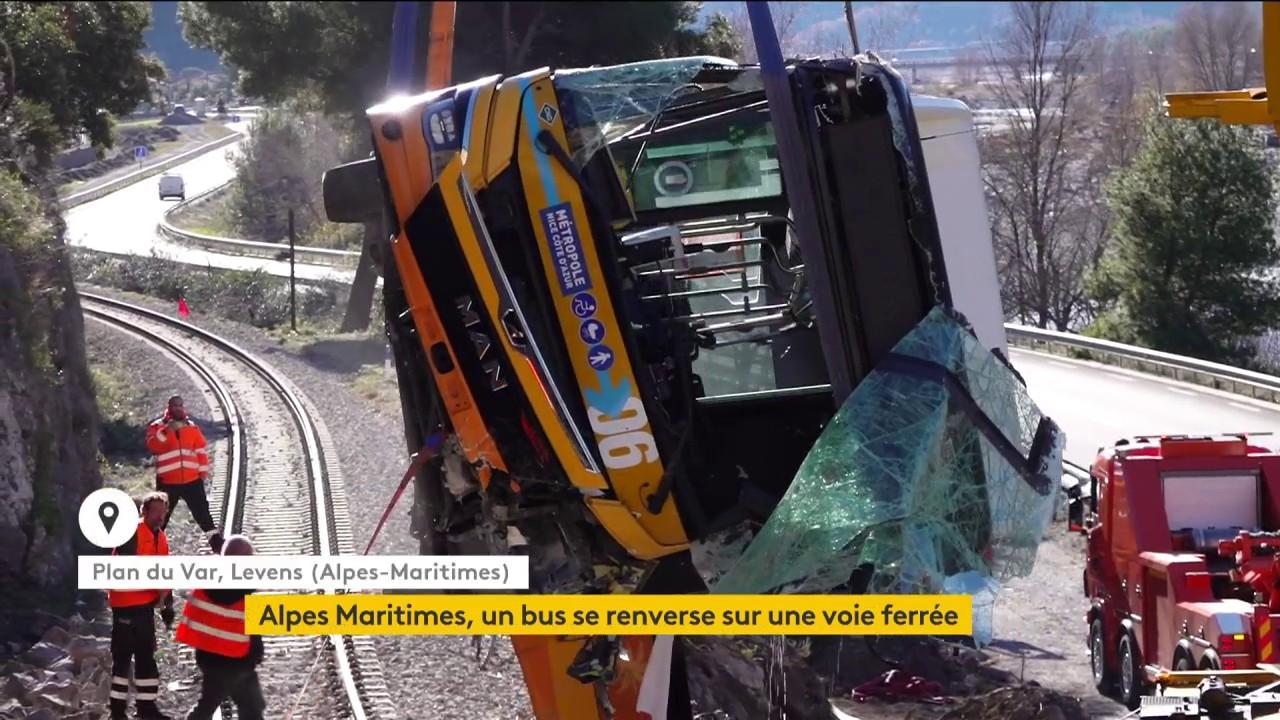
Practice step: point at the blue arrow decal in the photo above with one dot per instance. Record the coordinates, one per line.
(610, 398)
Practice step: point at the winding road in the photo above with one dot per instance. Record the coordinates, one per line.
(1098, 404)
(124, 222)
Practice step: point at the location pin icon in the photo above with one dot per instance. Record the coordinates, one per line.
(108, 512)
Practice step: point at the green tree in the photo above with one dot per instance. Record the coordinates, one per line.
(718, 38)
(280, 167)
(341, 50)
(1191, 266)
(67, 66)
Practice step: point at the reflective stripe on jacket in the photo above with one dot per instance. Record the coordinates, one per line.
(149, 543)
(182, 456)
(212, 627)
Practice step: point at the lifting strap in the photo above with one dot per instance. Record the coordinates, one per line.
(427, 452)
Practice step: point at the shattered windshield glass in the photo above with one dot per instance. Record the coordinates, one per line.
(907, 488)
(626, 95)
(603, 104)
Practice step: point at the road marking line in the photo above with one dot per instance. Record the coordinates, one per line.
(1242, 406)
(1125, 378)
(1180, 391)
(1068, 366)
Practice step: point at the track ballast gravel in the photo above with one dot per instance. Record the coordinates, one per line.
(276, 516)
(427, 676)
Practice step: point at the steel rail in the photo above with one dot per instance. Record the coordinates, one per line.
(325, 524)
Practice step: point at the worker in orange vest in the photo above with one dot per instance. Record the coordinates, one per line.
(133, 623)
(182, 465)
(228, 657)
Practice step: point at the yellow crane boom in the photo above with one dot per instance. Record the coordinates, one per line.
(1249, 106)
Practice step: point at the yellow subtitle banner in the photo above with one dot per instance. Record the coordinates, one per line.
(609, 614)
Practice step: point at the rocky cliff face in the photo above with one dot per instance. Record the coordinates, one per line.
(48, 415)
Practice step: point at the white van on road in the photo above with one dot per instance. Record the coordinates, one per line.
(172, 185)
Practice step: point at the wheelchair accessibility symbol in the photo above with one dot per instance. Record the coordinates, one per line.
(583, 305)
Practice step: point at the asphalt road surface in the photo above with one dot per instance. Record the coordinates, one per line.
(1098, 404)
(124, 222)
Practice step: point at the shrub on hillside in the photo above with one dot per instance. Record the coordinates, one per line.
(281, 166)
(255, 298)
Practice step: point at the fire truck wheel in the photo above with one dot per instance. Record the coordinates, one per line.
(1103, 677)
(1132, 685)
(1182, 661)
(1210, 661)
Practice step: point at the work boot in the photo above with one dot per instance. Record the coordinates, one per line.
(215, 542)
(119, 709)
(149, 711)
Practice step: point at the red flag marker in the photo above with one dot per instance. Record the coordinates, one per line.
(183, 310)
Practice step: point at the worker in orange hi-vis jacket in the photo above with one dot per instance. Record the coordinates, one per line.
(213, 623)
(182, 465)
(133, 622)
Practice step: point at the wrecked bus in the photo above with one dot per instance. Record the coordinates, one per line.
(666, 347)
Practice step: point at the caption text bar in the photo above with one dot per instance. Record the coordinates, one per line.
(304, 572)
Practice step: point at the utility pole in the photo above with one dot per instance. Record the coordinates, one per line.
(293, 287)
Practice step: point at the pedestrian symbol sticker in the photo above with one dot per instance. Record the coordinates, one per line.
(592, 331)
(584, 305)
(108, 518)
(600, 357)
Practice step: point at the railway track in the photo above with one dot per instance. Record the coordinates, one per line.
(276, 486)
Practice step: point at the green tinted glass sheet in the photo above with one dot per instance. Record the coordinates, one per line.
(903, 485)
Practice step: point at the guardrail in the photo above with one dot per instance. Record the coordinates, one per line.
(338, 259)
(1074, 485)
(84, 196)
(1258, 386)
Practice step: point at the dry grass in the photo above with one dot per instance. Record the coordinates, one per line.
(376, 383)
(122, 459)
(210, 217)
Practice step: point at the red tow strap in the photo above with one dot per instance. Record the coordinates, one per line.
(427, 452)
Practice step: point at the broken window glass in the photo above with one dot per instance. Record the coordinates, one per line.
(602, 104)
(937, 469)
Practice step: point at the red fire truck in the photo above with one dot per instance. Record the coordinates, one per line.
(1182, 566)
